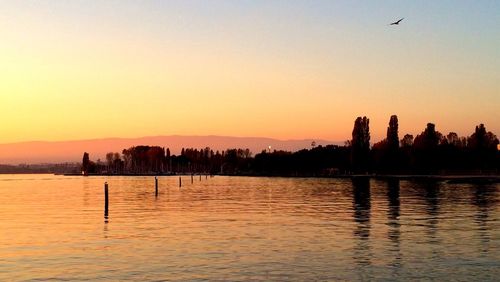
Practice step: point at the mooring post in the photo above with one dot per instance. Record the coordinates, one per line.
(106, 199)
(180, 182)
(200, 176)
(206, 176)
(156, 186)
(191, 178)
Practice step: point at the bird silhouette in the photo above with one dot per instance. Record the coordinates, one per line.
(396, 22)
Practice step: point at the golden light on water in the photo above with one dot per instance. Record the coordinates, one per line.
(53, 227)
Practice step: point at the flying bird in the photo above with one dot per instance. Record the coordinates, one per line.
(396, 22)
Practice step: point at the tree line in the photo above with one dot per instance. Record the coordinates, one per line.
(158, 160)
(430, 152)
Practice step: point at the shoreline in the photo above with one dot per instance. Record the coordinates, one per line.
(455, 178)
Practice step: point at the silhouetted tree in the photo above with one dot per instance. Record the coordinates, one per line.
(385, 153)
(168, 160)
(483, 147)
(127, 160)
(429, 138)
(481, 139)
(109, 161)
(392, 154)
(425, 149)
(407, 140)
(393, 134)
(85, 163)
(360, 144)
(429, 152)
(453, 139)
(405, 156)
(118, 163)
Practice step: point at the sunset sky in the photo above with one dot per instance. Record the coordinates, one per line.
(280, 69)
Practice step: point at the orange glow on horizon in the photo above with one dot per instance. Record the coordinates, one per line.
(72, 77)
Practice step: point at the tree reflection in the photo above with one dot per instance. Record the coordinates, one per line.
(361, 216)
(393, 213)
(484, 198)
(432, 192)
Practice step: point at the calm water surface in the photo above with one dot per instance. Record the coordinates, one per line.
(242, 228)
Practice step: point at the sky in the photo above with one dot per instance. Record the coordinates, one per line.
(280, 69)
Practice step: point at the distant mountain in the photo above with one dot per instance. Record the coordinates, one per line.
(72, 151)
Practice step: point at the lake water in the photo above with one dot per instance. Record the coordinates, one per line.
(245, 228)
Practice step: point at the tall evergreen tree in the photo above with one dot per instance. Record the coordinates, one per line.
(85, 163)
(393, 134)
(360, 144)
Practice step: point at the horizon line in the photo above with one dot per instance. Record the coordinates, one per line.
(171, 135)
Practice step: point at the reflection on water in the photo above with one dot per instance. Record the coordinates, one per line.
(361, 207)
(485, 199)
(430, 191)
(244, 228)
(431, 196)
(393, 213)
(106, 203)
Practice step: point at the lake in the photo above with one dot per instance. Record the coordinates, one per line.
(246, 228)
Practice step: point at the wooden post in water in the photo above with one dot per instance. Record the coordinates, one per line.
(180, 182)
(206, 176)
(200, 176)
(106, 205)
(191, 178)
(156, 186)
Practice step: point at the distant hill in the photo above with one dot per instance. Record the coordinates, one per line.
(72, 151)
